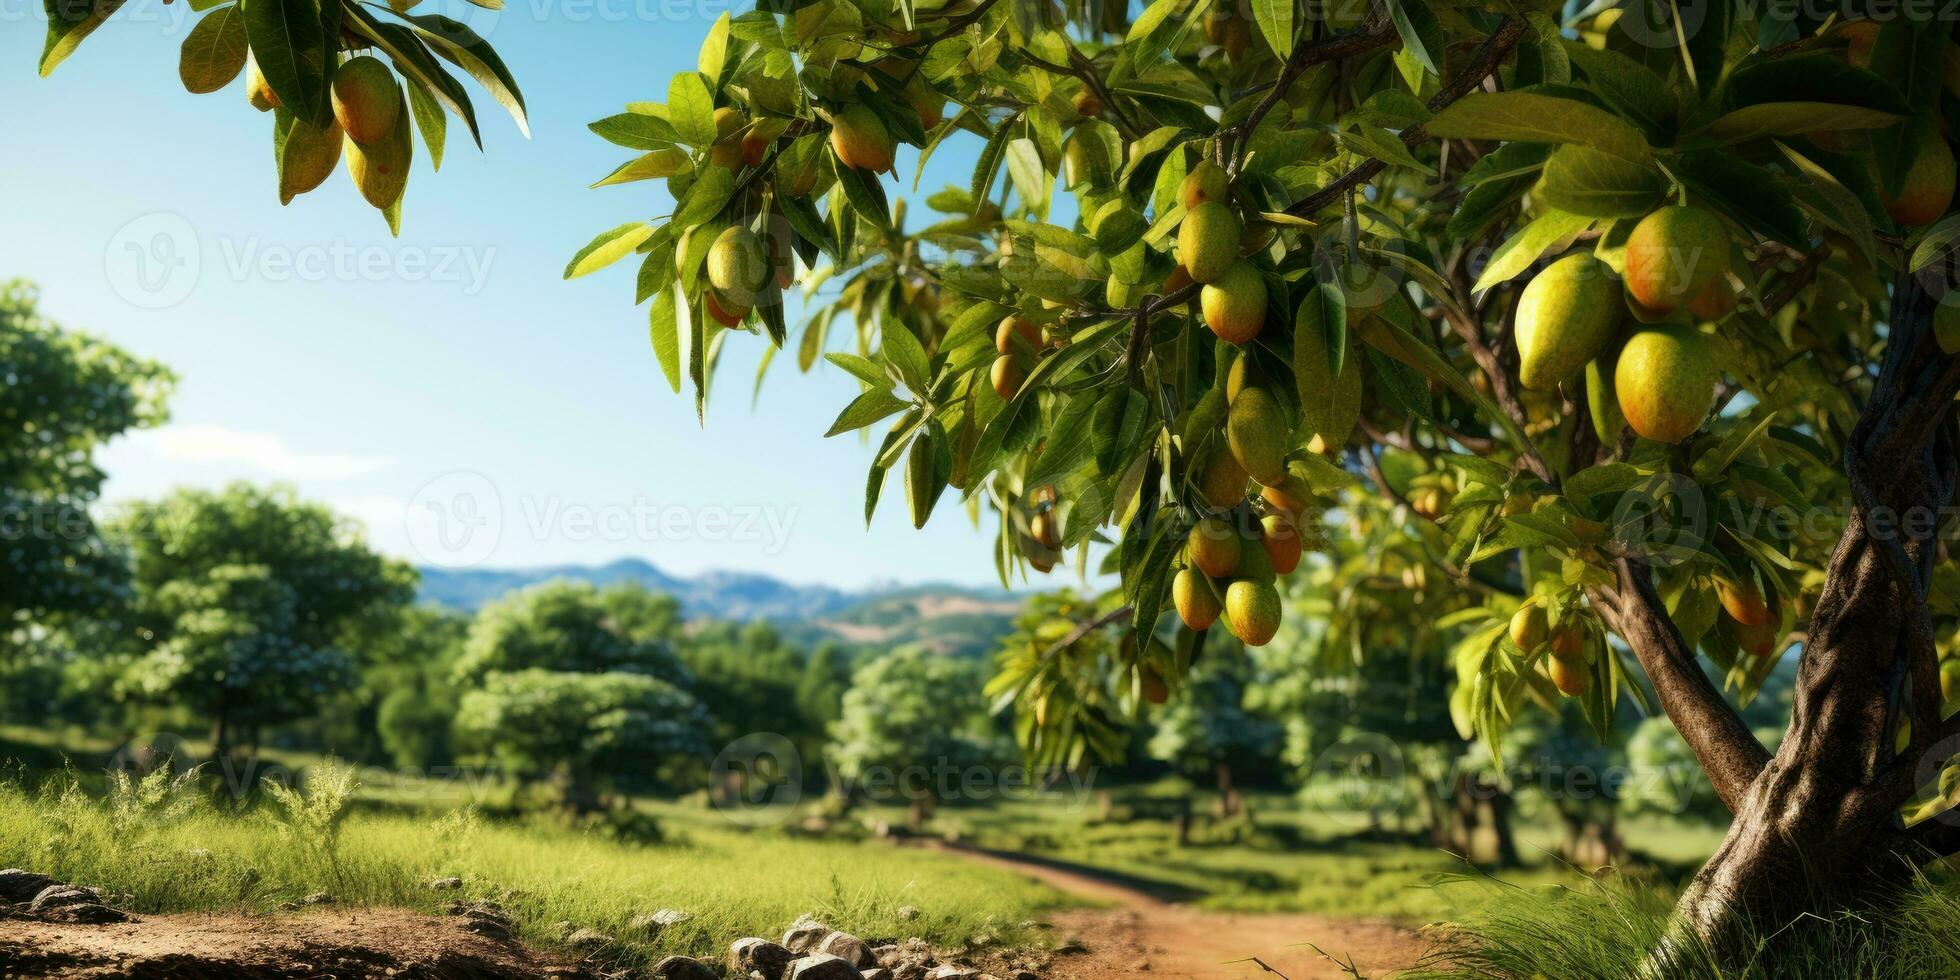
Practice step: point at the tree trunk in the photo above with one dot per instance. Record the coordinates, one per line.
(1228, 794)
(1815, 828)
(1497, 806)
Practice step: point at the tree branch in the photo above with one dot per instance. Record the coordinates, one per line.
(1727, 750)
(1377, 32)
(1494, 48)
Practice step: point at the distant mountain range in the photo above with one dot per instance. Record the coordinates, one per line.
(949, 618)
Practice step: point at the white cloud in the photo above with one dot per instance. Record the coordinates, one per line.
(260, 451)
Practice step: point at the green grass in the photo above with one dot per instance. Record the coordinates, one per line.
(175, 851)
(1602, 931)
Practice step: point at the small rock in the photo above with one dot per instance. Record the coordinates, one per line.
(651, 925)
(318, 898)
(823, 966)
(755, 955)
(951, 971)
(848, 948)
(17, 886)
(587, 938)
(1140, 966)
(563, 929)
(877, 973)
(487, 927)
(805, 935)
(908, 912)
(60, 895)
(684, 968)
(1070, 946)
(288, 906)
(445, 884)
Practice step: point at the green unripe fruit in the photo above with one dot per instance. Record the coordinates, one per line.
(1213, 547)
(380, 169)
(860, 140)
(1252, 611)
(1205, 182)
(1566, 316)
(1256, 428)
(1196, 604)
(738, 265)
(366, 100)
(1235, 305)
(308, 155)
(1208, 241)
(1950, 681)
(1222, 481)
(1255, 563)
(1672, 255)
(1665, 381)
(727, 150)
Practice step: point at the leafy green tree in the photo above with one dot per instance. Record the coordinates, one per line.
(911, 722)
(586, 730)
(1596, 297)
(568, 626)
(246, 599)
(65, 394)
(405, 684)
(1208, 730)
(316, 66)
(747, 678)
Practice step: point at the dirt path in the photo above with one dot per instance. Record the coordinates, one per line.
(1143, 932)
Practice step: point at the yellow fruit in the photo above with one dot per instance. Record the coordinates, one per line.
(1235, 305)
(1256, 428)
(1086, 103)
(1928, 189)
(1205, 182)
(1043, 528)
(1006, 376)
(1569, 641)
(1743, 600)
(727, 151)
(860, 140)
(1284, 545)
(1673, 253)
(726, 314)
(1571, 676)
(1290, 498)
(1154, 689)
(1530, 628)
(1566, 316)
(1012, 327)
(738, 265)
(1715, 301)
(1252, 611)
(366, 99)
(1213, 547)
(1208, 241)
(257, 90)
(1196, 605)
(307, 157)
(380, 169)
(1665, 381)
(1222, 482)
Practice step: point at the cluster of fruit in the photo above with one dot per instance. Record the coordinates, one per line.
(370, 126)
(1535, 631)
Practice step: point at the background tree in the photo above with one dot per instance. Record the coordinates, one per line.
(1597, 298)
(1209, 732)
(566, 626)
(245, 601)
(66, 394)
(911, 723)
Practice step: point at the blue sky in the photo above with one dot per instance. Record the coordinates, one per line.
(451, 368)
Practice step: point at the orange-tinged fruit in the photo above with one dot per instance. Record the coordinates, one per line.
(1196, 604)
(1012, 327)
(1672, 254)
(1715, 301)
(1087, 103)
(1570, 676)
(727, 151)
(1742, 600)
(257, 90)
(1213, 547)
(730, 315)
(1208, 241)
(1153, 687)
(1252, 611)
(1290, 498)
(1284, 545)
(1928, 188)
(1044, 528)
(1566, 317)
(1206, 182)
(366, 99)
(1235, 305)
(1569, 641)
(1665, 381)
(380, 168)
(1530, 628)
(1006, 376)
(860, 139)
(926, 101)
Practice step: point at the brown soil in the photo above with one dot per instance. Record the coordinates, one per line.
(350, 943)
(1141, 933)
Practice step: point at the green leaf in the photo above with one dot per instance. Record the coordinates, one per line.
(1751, 195)
(714, 50)
(1422, 35)
(1627, 86)
(865, 409)
(214, 52)
(636, 131)
(651, 166)
(1781, 118)
(293, 52)
(1379, 143)
(1521, 249)
(906, 356)
(664, 329)
(860, 368)
(413, 60)
(1540, 118)
(691, 109)
(705, 197)
(987, 166)
(608, 247)
(428, 118)
(456, 43)
(1585, 181)
(866, 195)
(1275, 20)
(69, 23)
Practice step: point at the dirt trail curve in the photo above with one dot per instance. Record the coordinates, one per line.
(1145, 931)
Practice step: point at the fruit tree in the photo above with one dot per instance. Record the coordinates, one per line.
(1632, 316)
